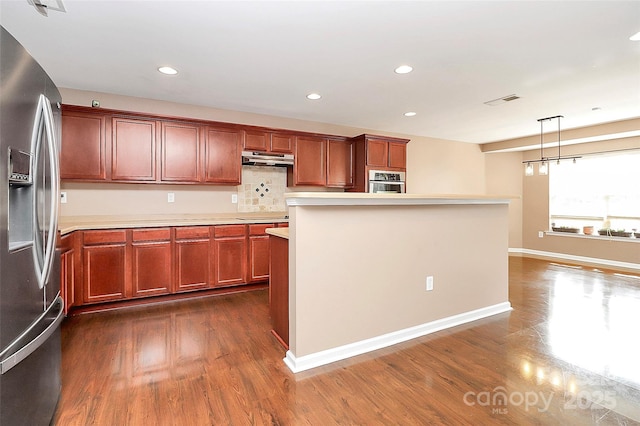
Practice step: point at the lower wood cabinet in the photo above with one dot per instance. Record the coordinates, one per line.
(193, 258)
(230, 248)
(104, 265)
(113, 265)
(258, 253)
(151, 262)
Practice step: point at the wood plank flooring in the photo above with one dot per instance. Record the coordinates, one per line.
(568, 354)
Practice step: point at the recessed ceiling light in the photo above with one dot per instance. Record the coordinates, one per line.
(168, 70)
(409, 114)
(313, 96)
(403, 69)
(635, 37)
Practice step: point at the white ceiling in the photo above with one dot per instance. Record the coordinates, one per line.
(560, 57)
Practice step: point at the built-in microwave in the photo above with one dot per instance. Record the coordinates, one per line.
(382, 181)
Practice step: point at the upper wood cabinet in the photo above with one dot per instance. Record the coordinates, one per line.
(339, 163)
(263, 141)
(310, 161)
(181, 152)
(133, 149)
(376, 153)
(83, 150)
(223, 163)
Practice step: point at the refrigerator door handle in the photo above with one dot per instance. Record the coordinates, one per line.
(14, 359)
(46, 114)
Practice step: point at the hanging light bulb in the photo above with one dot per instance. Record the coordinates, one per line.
(528, 169)
(543, 169)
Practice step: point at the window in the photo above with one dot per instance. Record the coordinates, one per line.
(602, 191)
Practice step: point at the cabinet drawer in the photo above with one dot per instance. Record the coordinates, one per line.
(105, 237)
(192, 232)
(229, 231)
(258, 229)
(282, 225)
(155, 234)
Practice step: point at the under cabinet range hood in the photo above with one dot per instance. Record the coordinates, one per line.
(250, 158)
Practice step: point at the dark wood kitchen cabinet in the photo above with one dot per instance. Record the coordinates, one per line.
(151, 261)
(223, 163)
(69, 255)
(279, 289)
(230, 253)
(83, 149)
(180, 152)
(263, 141)
(258, 253)
(104, 265)
(309, 168)
(133, 149)
(193, 258)
(376, 153)
(339, 163)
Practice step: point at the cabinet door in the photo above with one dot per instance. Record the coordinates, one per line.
(180, 152)
(398, 155)
(104, 272)
(377, 153)
(223, 156)
(282, 143)
(339, 163)
(193, 258)
(151, 268)
(133, 146)
(82, 154)
(310, 161)
(230, 247)
(68, 271)
(259, 252)
(256, 140)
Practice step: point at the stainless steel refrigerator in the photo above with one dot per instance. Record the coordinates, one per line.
(31, 309)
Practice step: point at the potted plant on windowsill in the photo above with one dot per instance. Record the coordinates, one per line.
(614, 232)
(565, 229)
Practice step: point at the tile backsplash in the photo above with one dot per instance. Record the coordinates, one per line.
(262, 189)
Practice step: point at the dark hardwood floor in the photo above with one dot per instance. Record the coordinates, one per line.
(568, 353)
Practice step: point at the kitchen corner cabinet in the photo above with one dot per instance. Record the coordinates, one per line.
(223, 163)
(133, 149)
(230, 253)
(309, 168)
(258, 253)
(193, 258)
(104, 265)
(151, 262)
(69, 255)
(83, 150)
(181, 147)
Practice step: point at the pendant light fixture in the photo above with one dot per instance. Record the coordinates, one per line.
(543, 168)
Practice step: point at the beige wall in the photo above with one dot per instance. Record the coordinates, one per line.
(379, 258)
(506, 170)
(434, 166)
(504, 176)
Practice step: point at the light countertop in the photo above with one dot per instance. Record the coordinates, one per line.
(69, 224)
(379, 199)
(278, 232)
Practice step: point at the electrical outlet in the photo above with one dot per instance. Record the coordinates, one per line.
(234, 198)
(171, 197)
(540, 234)
(429, 283)
(63, 198)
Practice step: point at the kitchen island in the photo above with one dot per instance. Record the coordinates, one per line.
(361, 265)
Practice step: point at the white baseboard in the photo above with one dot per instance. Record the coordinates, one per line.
(306, 362)
(578, 259)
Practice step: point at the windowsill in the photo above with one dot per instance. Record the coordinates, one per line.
(592, 237)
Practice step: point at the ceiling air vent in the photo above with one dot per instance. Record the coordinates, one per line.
(502, 100)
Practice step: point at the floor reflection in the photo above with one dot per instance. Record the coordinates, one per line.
(594, 326)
